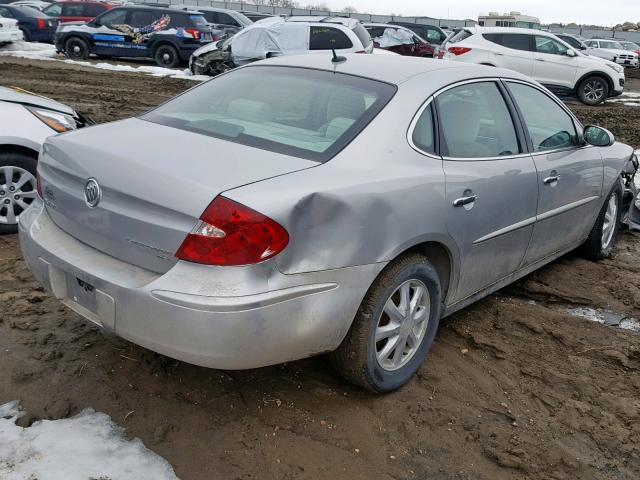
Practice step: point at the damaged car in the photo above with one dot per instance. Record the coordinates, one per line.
(326, 205)
(399, 40)
(26, 120)
(278, 36)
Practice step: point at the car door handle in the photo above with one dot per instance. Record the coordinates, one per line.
(552, 180)
(499, 54)
(540, 60)
(462, 201)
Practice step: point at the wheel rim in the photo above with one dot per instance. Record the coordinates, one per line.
(166, 57)
(610, 219)
(402, 325)
(17, 192)
(593, 90)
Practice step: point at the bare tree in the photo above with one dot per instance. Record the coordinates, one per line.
(349, 10)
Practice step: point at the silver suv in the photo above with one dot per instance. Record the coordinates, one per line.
(298, 206)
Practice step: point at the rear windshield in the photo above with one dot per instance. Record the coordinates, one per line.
(198, 20)
(362, 34)
(311, 114)
(460, 36)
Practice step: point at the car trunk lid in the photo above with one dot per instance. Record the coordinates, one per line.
(155, 181)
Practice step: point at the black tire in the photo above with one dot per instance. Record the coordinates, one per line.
(595, 248)
(593, 90)
(76, 48)
(24, 162)
(166, 56)
(356, 358)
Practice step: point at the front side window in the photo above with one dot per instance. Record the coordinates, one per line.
(610, 45)
(550, 46)
(226, 19)
(549, 126)
(5, 12)
(326, 38)
(142, 18)
(301, 112)
(476, 122)
(434, 35)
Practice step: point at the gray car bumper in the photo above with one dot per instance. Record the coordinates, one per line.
(221, 317)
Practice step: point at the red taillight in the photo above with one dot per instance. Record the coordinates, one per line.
(232, 234)
(458, 50)
(41, 24)
(194, 32)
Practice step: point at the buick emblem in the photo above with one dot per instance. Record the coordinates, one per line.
(92, 193)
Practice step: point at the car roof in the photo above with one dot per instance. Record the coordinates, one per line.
(345, 21)
(394, 69)
(386, 25)
(524, 31)
(162, 9)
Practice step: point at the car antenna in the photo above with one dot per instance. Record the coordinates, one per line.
(336, 58)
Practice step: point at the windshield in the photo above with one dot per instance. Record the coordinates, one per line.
(311, 114)
(242, 18)
(460, 36)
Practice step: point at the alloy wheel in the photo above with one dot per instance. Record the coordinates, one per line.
(402, 325)
(17, 192)
(593, 90)
(610, 219)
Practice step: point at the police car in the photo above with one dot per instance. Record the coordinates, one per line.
(166, 35)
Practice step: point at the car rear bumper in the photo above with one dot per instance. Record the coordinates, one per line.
(221, 317)
(10, 36)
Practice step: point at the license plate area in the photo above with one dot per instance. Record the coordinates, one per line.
(82, 293)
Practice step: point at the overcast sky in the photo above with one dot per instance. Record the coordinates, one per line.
(596, 12)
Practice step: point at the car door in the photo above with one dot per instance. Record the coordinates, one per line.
(552, 64)
(570, 175)
(73, 12)
(106, 38)
(513, 51)
(491, 182)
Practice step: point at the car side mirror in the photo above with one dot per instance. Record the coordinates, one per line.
(598, 136)
(571, 53)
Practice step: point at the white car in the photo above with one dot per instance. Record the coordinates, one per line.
(612, 50)
(543, 57)
(278, 36)
(9, 31)
(26, 120)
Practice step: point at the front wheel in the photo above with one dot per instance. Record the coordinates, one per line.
(17, 188)
(394, 328)
(593, 90)
(166, 56)
(604, 234)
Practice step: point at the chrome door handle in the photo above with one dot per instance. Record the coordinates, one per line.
(461, 202)
(552, 180)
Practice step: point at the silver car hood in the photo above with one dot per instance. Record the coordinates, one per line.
(155, 182)
(16, 96)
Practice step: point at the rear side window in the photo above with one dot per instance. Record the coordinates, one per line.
(433, 35)
(72, 10)
(54, 10)
(549, 126)
(476, 122)
(142, 18)
(460, 36)
(227, 19)
(510, 40)
(423, 133)
(6, 13)
(92, 10)
(306, 113)
(362, 34)
(326, 38)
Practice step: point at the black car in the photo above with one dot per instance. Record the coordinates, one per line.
(35, 25)
(430, 33)
(167, 35)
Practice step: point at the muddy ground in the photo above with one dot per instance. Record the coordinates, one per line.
(515, 388)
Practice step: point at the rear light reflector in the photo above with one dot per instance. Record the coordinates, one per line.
(458, 50)
(230, 233)
(194, 32)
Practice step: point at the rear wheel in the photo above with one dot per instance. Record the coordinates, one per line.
(593, 90)
(76, 48)
(394, 328)
(17, 188)
(604, 234)
(166, 56)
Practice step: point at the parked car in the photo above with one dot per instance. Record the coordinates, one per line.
(279, 36)
(255, 16)
(37, 4)
(541, 56)
(25, 121)
(630, 46)
(9, 31)
(35, 25)
(228, 21)
(296, 237)
(573, 41)
(399, 40)
(431, 33)
(166, 35)
(76, 10)
(612, 50)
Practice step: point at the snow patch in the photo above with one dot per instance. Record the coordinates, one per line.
(30, 50)
(606, 317)
(86, 446)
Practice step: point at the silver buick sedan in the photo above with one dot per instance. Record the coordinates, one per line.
(304, 205)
